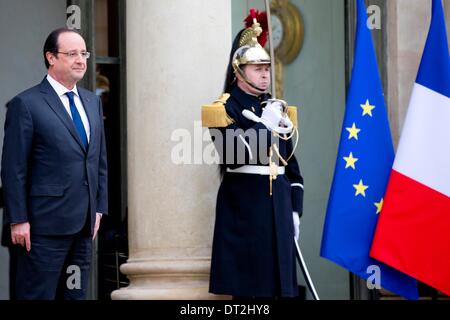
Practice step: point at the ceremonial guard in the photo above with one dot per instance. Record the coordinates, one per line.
(260, 198)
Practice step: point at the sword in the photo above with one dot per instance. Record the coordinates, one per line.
(273, 80)
(272, 52)
(298, 252)
(305, 272)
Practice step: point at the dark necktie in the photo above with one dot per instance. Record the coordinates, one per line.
(77, 119)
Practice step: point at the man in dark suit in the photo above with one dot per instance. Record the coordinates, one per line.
(54, 174)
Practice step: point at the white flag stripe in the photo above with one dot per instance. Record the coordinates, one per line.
(424, 148)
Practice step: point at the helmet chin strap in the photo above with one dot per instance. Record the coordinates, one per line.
(255, 87)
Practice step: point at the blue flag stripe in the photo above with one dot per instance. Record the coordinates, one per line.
(436, 54)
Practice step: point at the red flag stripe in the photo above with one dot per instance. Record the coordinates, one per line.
(413, 232)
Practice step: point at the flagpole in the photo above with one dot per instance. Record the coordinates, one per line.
(272, 52)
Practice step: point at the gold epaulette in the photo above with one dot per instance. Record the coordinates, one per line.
(292, 114)
(214, 115)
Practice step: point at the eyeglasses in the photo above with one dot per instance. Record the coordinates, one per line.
(73, 54)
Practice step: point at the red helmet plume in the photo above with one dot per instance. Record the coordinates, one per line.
(261, 17)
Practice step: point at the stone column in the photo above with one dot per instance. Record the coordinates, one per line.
(408, 25)
(447, 17)
(177, 52)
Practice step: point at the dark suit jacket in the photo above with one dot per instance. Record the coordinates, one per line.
(48, 177)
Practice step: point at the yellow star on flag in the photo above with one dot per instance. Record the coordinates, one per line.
(379, 205)
(360, 188)
(353, 132)
(350, 161)
(367, 108)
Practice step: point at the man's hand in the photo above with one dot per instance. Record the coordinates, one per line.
(272, 117)
(97, 224)
(20, 234)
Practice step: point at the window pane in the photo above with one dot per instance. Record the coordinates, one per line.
(101, 28)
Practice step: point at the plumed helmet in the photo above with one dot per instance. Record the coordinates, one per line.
(250, 51)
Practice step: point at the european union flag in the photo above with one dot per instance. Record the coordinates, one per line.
(363, 165)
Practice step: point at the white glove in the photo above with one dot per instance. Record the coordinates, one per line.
(272, 117)
(296, 218)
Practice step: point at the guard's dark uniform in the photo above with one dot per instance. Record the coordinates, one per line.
(253, 249)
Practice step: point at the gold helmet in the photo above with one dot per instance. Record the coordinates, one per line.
(250, 51)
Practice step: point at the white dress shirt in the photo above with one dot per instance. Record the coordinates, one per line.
(61, 92)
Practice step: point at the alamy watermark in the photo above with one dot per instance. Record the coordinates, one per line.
(73, 17)
(373, 17)
(74, 280)
(218, 146)
(374, 280)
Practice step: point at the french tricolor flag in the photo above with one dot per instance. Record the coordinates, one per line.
(413, 230)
